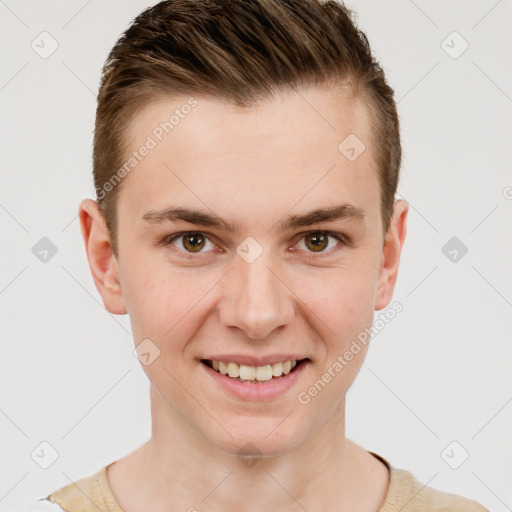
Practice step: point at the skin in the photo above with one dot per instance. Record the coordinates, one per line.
(255, 167)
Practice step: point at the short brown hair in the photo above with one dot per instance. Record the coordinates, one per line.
(240, 51)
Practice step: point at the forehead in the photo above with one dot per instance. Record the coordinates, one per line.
(291, 147)
(315, 116)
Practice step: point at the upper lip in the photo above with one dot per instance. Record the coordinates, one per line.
(254, 360)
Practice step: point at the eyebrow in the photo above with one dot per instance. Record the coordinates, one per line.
(330, 214)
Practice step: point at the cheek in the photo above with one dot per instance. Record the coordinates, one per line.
(167, 307)
(342, 316)
(342, 301)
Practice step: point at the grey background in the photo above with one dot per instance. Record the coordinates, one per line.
(438, 373)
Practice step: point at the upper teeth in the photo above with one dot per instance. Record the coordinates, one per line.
(260, 373)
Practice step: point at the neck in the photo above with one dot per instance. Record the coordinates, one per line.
(180, 469)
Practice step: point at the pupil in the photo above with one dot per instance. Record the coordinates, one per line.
(195, 244)
(318, 241)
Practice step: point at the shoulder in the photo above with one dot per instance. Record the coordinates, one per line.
(90, 493)
(43, 505)
(408, 494)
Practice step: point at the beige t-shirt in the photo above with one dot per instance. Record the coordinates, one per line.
(405, 494)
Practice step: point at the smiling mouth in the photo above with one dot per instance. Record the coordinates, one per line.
(254, 374)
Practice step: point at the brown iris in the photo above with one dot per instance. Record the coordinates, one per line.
(319, 241)
(192, 242)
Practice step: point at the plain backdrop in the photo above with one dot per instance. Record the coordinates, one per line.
(436, 385)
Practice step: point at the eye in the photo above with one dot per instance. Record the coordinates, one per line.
(191, 242)
(318, 241)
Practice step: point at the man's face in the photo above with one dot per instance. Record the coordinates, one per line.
(266, 288)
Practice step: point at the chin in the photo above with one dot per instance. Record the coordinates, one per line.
(251, 439)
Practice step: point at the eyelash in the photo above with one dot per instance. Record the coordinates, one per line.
(343, 239)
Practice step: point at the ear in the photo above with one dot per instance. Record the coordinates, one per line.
(393, 243)
(102, 261)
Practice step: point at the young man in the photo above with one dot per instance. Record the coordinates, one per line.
(246, 159)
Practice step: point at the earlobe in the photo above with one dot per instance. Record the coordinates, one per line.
(388, 271)
(102, 262)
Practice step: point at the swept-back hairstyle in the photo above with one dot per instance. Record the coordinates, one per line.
(241, 51)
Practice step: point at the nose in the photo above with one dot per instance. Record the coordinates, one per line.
(256, 298)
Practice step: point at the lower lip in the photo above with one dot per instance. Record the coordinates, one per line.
(264, 391)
